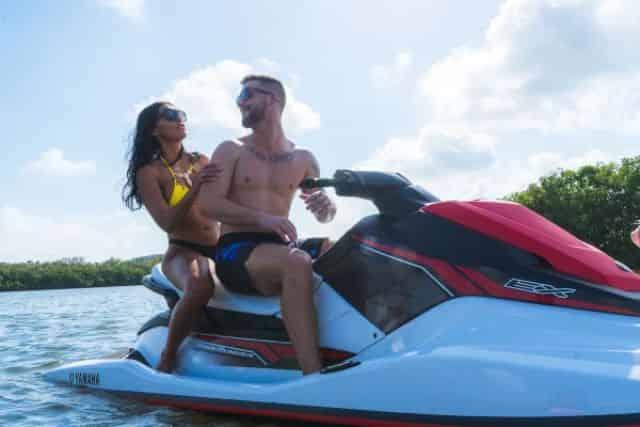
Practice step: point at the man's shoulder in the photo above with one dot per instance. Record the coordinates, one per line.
(306, 156)
(304, 153)
(229, 147)
(232, 144)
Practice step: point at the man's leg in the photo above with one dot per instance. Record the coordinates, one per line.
(299, 312)
(281, 269)
(191, 273)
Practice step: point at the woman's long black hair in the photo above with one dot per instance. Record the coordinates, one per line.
(144, 149)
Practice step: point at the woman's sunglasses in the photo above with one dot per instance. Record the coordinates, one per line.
(173, 115)
(247, 93)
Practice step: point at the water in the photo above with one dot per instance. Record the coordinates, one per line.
(40, 330)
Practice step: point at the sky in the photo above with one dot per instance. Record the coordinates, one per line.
(467, 99)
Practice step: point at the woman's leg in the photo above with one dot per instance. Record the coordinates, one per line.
(193, 274)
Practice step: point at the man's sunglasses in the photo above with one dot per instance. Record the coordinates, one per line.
(173, 115)
(247, 93)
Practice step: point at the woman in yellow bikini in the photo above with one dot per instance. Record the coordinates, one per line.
(166, 180)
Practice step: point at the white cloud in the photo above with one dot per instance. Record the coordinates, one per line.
(28, 236)
(505, 176)
(526, 101)
(53, 163)
(547, 162)
(463, 164)
(619, 18)
(546, 64)
(131, 9)
(392, 74)
(299, 116)
(268, 66)
(208, 96)
(439, 159)
(433, 151)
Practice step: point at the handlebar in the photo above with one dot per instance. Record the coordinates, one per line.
(392, 193)
(317, 183)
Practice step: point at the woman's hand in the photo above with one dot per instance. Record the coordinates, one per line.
(209, 173)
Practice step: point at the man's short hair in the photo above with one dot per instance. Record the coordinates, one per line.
(271, 84)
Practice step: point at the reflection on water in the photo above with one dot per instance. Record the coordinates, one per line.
(40, 330)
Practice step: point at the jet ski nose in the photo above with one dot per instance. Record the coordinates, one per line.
(73, 374)
(57, 375)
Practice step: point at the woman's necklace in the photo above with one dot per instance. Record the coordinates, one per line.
(178, 157)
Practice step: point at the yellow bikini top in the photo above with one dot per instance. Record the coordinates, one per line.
(179, 189)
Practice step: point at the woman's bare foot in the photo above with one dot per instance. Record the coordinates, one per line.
(167, 363)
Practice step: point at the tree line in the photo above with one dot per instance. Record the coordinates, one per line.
(73, 273)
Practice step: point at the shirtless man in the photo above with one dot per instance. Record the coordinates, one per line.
(252, 198)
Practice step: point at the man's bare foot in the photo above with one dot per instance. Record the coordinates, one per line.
(167, 363)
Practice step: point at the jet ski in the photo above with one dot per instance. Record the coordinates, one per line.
(431, 313)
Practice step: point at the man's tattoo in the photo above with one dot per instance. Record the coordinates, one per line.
(271, 157)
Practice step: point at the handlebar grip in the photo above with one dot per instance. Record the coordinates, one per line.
(317, 183)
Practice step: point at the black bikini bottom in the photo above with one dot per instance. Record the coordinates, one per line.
(234, 250)
(208, 251)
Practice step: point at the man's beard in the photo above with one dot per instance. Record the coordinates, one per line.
(251, 119)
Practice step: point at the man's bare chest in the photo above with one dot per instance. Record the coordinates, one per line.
(259, 175)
